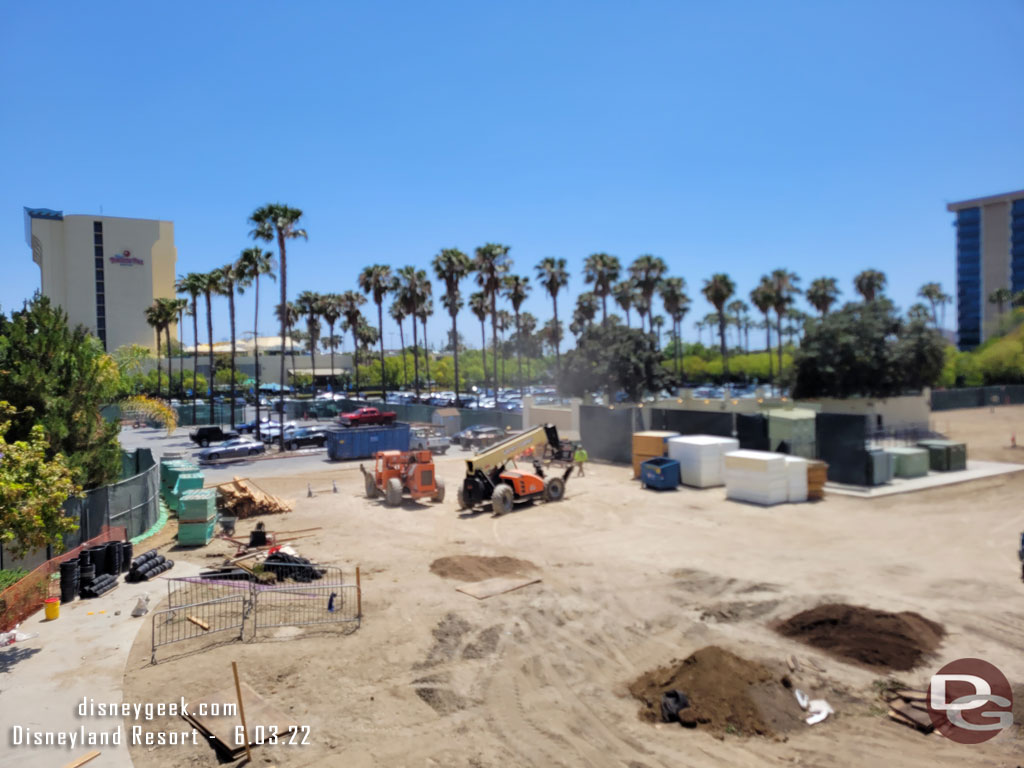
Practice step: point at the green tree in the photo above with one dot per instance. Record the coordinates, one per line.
(553, 276)
(310, 306)
(377, 281)
(397, 313)
(479, 307)
(350, 310)
(452, 266)
(228, 278)
(276, 220)
(210, 282)
(425, 311)
(677, 304)
(156, 317)
(718, 289)
(763, 297)
(612, 357)
(413, 292)
(1001, 297)
(870, 283)
(822, 293)
(491, 263)
(624, 292)
(193, 284)
(330, 310)
(516, 289)
(784, 291)
(647, 272)
(253, 264)
(602, 270)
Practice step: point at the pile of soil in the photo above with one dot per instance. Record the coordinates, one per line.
(897, 641)
(476, 568)
(727, 693)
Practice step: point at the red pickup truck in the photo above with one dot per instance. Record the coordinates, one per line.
(363, 416)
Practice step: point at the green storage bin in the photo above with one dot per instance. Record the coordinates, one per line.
(946, 455)
(190, 481)
(909, 462)
(196, 534)
(199, 506)
(174, 471)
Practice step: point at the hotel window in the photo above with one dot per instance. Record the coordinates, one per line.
(101, 304)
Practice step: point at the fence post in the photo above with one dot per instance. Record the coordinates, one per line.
(359, 596)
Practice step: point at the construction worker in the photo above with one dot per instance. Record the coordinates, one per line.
(580, 457)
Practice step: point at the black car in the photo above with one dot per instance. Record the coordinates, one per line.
(305, 436)
(477, 436)
(206, 435)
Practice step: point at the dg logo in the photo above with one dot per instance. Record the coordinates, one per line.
(970, 701)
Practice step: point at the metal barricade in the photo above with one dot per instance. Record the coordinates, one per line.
(306, 596)
(199, 620)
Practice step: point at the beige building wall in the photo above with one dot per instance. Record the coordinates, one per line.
(139, 259)
(995, 261)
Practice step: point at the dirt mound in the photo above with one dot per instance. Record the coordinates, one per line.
(476, 568)
(895, 641)
(727, 693)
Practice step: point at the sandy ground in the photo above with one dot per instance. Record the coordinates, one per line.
(631, 580)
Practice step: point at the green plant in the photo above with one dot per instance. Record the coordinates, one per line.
(11, 577)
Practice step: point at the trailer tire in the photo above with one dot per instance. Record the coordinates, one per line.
(554, 489)
(502, 499)
(439, 491)
(460, 496)
(393, 492)
(370, 485)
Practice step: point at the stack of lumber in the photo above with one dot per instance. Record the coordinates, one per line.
(649, 445)
(796, 479)
(908, 707)
(701, 458)
(817, 475)
(756, 476)
(242, 498)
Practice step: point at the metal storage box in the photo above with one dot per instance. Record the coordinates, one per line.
(946, 455)
(660, 473)
(363, 442)
(909, 462)
(880, 466)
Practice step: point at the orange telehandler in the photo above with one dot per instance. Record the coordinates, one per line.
(400, 473)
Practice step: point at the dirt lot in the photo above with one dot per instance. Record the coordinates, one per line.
(631, 580)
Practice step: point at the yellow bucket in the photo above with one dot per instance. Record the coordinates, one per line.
(52, 607)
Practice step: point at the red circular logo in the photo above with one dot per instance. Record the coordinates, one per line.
(970, 701)
(127, 254)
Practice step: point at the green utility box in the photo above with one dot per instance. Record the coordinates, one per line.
(196, 534)
(946, 455)
(198, 506)
(909, 462)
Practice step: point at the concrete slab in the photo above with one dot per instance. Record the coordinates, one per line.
(976, 470)
(81, 655)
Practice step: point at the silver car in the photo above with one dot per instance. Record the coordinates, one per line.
(233, 449)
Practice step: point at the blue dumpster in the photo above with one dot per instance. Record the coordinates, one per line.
(660, 473)
(363, 442)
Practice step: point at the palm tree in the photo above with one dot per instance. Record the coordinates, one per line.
(350, 302)
(643, 307)
(280, 221)
(451, 266)
(586, 308)
(870, 283)
(377, 281)
(411, 291)
(718, 289)
(822, 293)
(169, 308)
(253, 264)
(289, 317)
(676, 304)
(194, 284)
(516, 289)
(155, 318)
(784, 286)
(763, 297)
(330, 310)
(228, 278)
(491, 263)
(397, 313)
(552, 274)
(602, 270)
(311, 307)
(426, 310)
(1000, 297)
(647, 271)
(213, 279)
(624, 293)
(737, 311)
(182, 305)
(478, 306)
(657, 323)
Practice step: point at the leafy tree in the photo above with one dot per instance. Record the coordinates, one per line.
(59, 377)
(870, 283)
(718, 289)
(623, 292)
(451, 266)
(377, 281)
(34, 484)
(613, 357)
(822, 293)
(552, 274)
(936, 297)
(602, 270)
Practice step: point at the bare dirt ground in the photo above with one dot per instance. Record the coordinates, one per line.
(632, 580)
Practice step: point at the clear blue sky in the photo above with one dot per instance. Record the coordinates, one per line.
(824, 137)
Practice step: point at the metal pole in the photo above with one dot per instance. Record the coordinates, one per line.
(359, 596)
(241, 712)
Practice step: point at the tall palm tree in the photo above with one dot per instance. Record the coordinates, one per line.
(397, 312)
(377, 281)
(491, 263)
(676, 304)
(229, 277)
(351, 301)
(253, 264)
(330, 310)
(479, 307)
(602, 270)
(784, 292)
(155, 318)
(623, 293)
(822, 293)
(290, 316)
(933, 293)
(643, 308)
(276, 220)
(870, 283)
(718, 289)
(194, 284)
(586, 308)
(182, 305)
(657, 323)
(168, 308)
(412, 292)
(516, 289)
(552, 274)
(311, 308)
(426, 309)
(737, 309)
(451, 266)
(213, 279)
(763, 297)
(1000, 297)
(647, 271)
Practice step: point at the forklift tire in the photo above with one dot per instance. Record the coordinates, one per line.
(460, 495)
(371, 487)
(439, 491)
(502, 499)
(554, 489)
(393, 492)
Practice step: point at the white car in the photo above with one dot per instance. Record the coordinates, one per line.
(424, 439)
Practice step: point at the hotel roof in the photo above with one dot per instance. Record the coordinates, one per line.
(1006, 197)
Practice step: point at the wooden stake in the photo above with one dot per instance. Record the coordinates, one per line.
(198, 623)
(83, 760)
(241, 712)
(359, 596)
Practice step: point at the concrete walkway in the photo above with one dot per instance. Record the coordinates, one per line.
(81, 655)
(976, 470)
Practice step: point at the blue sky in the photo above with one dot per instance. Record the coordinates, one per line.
(824, 137)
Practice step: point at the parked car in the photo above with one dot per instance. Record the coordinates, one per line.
(249, 427)
(477, 436)
(205, 435)
(272, 430)
(305, 436)
(233, 449)
(426, 439)
(364, 416)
